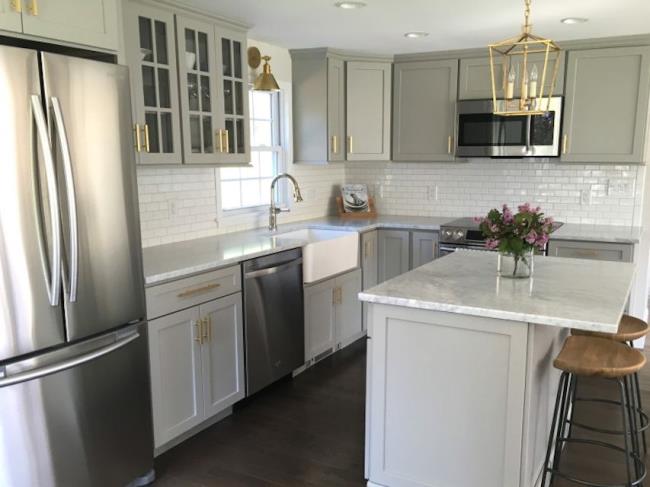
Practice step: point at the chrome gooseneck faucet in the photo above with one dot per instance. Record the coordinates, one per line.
(274, 210)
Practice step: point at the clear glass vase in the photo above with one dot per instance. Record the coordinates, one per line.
(515, 266)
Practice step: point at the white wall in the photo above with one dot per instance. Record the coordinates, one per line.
(180, 203)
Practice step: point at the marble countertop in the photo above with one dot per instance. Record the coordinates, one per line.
(172, 261)
(570, 293)
(598, 233)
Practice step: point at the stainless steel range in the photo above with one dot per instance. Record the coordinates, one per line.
(464, 233)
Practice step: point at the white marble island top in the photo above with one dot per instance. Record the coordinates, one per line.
(570, 293)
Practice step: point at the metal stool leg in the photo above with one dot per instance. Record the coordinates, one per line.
(554, 424)
(634, 432)
(626, 430)
(562, 421)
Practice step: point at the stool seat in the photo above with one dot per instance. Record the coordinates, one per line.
(595, 356)
(629, 329)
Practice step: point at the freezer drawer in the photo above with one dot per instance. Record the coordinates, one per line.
(89, 424)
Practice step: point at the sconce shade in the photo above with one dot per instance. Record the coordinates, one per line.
(266, 81)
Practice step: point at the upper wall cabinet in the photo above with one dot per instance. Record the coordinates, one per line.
(231, 47)
(475, 81)
(606, 105)
(10, 16)
(189, 90)
(368, 111)
(424, 98)
(318, 106)
(151, 53)
(341, 107)
(87, 22)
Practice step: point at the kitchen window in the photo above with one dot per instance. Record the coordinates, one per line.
(244, 188)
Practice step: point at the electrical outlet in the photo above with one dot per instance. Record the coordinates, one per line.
(585, 197)
(620, 187)
(172, 207)
(432, 192)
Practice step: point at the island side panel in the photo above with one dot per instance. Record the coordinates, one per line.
(446, 399)
(542, 379)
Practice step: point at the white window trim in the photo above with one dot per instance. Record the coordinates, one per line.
(258, 215)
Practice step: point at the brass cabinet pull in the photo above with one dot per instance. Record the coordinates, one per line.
(337, 295)
(33, 7)
(198, 290)
(146, 137)
(138, 144)
(565, 143)
(334, 302)
(206, 329)
(335, 144)
(350, 145)
(16, 6)
(449, 140)
(199, 333)
(220, 137)
(225, 133)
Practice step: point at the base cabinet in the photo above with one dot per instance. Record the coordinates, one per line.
(369, 269)
(332, 314)
(392, 254)
(618, 252)
(424, 248)
(197, 365)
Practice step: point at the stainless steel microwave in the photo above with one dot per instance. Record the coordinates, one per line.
(483, 134)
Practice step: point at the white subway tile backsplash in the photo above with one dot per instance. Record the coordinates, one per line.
(472, 188)
(181, 203)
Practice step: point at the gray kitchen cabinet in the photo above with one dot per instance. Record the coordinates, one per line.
(318, 79)
(88, 22)
(222, 354)
(368, 94)
(475, 81)
(332, 314)
(618, 252)
(320, 319)
(424, 248)
(368, 266)
(606, 105)
(424, 107)
(176, 375)
(349, 321)
(151, 55)
(196, 350)
(233, 118)
(10, 16)
(392, 253)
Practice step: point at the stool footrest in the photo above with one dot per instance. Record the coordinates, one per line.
(645, 421)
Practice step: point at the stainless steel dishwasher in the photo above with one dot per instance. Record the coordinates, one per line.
(274, 319)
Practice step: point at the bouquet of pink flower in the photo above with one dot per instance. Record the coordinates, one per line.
(516, 234)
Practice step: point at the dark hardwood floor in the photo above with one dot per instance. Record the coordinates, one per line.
(303, 432)
(310, 432)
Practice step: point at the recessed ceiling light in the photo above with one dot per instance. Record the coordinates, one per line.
(415, 35)
(349, 5)
(574, 20)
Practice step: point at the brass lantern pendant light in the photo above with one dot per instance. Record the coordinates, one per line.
(521, 89)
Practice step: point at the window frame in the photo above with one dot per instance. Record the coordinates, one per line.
(281, 148)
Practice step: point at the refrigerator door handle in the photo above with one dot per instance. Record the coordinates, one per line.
(71, 197)
(53, 275)
(39, 372)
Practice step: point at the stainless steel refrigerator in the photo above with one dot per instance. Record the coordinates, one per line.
(74, 382)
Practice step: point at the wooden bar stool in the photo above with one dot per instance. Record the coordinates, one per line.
(584, 356)
(629, 329)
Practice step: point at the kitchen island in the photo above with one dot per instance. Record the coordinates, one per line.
(460, 385)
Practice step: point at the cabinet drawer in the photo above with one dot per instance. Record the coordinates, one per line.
(181, 294)
(591, 250)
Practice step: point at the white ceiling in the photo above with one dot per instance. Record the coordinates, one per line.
(453, 24)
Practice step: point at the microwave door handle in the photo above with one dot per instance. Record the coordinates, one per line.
(71, 197)
(53, 274)
(529, 129)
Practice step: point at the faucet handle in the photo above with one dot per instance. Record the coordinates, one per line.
(282, 210)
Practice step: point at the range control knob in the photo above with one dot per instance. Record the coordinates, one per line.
(447, 234)
(459, 235)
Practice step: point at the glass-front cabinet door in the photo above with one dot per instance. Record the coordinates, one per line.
(152, 60)
(233, 84)
(203, 134)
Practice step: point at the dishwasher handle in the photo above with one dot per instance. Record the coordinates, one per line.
(266, 271)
